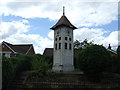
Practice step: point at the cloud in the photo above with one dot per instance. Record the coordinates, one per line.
(80, 13)
(97, 35)
(51, 34)
(15, 33)
(38, 41)
(91, 34)
(112, 39)
(8, 29)
(85, 14)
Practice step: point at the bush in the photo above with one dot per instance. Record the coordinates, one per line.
(94, 60)
(8, 71)
(11, 66)
(40, 65)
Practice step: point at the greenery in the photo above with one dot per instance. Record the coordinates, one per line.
(94, 60)
(7, 70)
(83, 44)
(10, 66)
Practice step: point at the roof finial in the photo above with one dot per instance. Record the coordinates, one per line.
(63, 10)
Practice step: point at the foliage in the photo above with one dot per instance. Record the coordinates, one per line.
(94, 60)
(10, 66)
(84, 44)
(7, 70)
(49, 59)
(115, 64)
(40, 65)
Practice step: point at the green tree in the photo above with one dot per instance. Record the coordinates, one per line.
(94, 60)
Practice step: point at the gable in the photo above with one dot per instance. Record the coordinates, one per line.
(3, 47)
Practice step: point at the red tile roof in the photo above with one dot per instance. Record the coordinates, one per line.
(63, 21)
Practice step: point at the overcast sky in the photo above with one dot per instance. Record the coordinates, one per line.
(29, 22)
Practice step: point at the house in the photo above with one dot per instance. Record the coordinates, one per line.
(10, 50)
(112, 52)
(48, 51)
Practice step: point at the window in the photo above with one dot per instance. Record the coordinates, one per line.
(59, 38)
(65, 38)
(3, 54)
(65, 45)
(56, 46)
(70, 39)
(55, 39)
(59, 45)
(6, 54)
(57, 32)
(68, 31)
(70, 46)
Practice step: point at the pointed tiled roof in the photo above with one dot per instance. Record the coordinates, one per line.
(63, 21)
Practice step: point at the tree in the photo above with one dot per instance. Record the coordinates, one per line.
(118, 59)
(84, 44)
(94, 60)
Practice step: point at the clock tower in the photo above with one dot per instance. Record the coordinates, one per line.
(63, 45)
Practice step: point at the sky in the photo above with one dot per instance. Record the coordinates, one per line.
(29, 22)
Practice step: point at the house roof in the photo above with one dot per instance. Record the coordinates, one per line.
(110, 50)
(49, 51)
(20, 48)
(63, 21)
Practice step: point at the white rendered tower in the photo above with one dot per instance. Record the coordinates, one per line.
(63, 45)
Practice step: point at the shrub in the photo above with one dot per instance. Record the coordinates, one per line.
(94, 60)
(40, 65)
(7, 71)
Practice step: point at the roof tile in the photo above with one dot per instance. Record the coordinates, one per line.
(63, 21)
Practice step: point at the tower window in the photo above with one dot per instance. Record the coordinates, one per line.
(56, 46)
(70, 46)
(55, 39)
(70, 39)
(65, 45)
(65, 38)
(59, 45)
(59, 38)
(57, 33)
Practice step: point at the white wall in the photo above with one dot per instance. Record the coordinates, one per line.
(63, 58)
